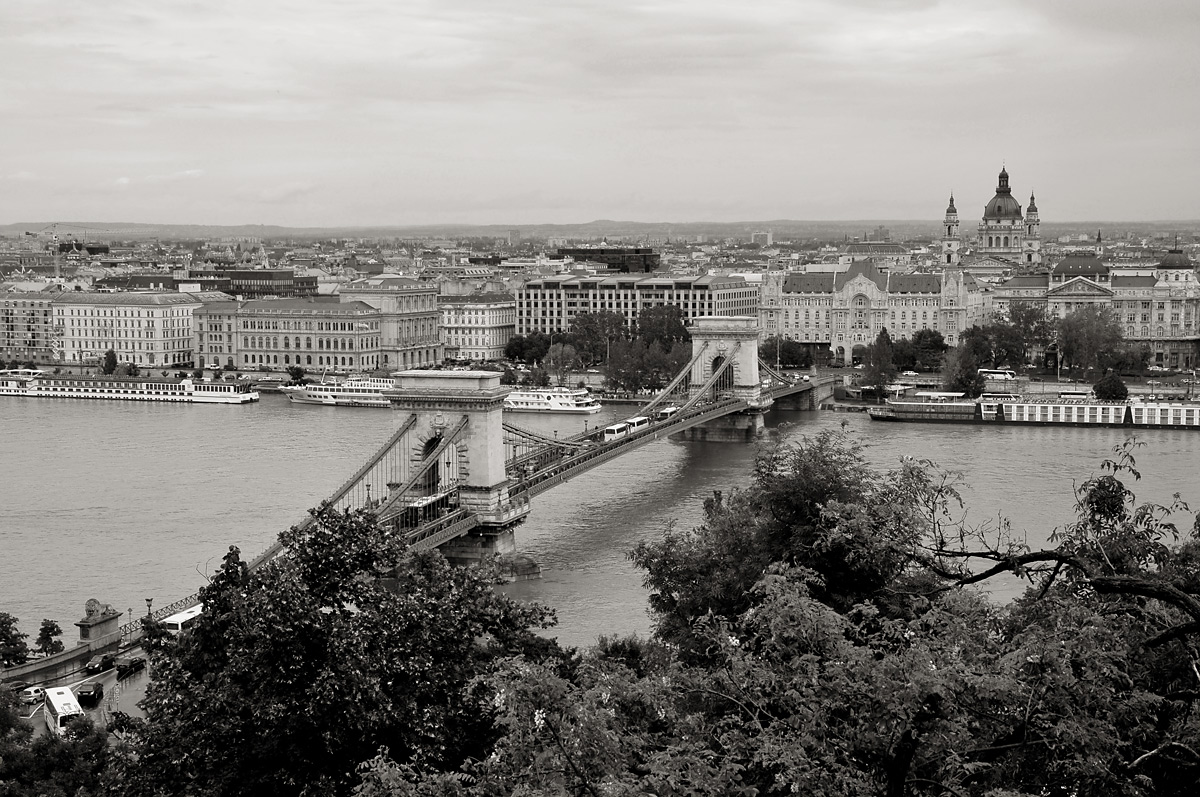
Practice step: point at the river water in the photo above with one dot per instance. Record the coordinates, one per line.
(124, 501)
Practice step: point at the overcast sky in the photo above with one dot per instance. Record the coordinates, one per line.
(385, 112)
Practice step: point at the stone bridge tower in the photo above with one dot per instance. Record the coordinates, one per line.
(474, 463)
(716, 339)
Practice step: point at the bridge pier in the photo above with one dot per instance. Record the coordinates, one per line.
(439, 399)
(740, 427)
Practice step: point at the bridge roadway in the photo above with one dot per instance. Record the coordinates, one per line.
(585, 451)
(555, 465)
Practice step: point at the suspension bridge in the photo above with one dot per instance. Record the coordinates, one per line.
(456, 476)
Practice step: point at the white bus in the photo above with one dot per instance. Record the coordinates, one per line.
(181, 621)
(997, 373)
(637, 422)
(58, 709)
(615, 432)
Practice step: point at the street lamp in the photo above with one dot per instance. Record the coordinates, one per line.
(148, 602)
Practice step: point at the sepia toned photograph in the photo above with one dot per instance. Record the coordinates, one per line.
(599, 399)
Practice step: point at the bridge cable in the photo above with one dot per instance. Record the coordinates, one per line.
(426, 465)
(674, 383)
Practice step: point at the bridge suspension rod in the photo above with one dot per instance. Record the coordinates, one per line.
(428, 463)
(539, 438)
(674, 383)
(712, 380)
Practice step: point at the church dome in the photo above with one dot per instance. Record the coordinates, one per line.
(1175, 258)
(1003, 205)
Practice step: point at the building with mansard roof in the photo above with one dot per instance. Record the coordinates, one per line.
(836, 313)
(1157, 307)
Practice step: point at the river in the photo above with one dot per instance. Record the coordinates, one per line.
(124, 501)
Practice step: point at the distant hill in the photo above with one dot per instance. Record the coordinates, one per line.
(629, 231)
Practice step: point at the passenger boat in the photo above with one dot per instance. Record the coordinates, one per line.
(33, 383)
(1136, 412)
(360, 392)
(551, 399)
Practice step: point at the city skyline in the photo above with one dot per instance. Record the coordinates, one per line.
(374, 114)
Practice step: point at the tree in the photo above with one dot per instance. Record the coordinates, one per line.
(109, 363)
(1111, 388)
(561, 359)
(881, 370)
(816, 504)
(904, 685)
(529, 348)
(791, 353)
(662, 325)
(48, 765)
(929, 347)
(13, 650)
(47, 638)
(1032, 326)
(960, 373)
(593, 334)
(1089, 337)
(302, 668)
(296, 375)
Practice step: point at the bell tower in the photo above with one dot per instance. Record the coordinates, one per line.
(1033, 234)
(950, 237)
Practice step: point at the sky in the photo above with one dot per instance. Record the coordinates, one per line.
(395, 112)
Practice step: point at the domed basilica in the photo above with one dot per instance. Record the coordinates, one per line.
(1005, 234)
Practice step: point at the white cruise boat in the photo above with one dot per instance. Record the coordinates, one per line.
(32, 383)
(361, 392)
(551, 399)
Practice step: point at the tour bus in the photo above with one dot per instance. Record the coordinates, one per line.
(181, 621)
(615, 432)
(58, 709)
(997, 373)
(637, 422)
(665, 413)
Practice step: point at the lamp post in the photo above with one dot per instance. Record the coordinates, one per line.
(148, 602)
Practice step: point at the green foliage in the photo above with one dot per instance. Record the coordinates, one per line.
(529, 348)
(1111, 388)
(296, 375)
(47, 765)
(637, 364)
(13, 650)
(1090, 337)
(109, 364)
(662, 325)
(594, 333)
(928, 348)
(299, 670)
(881, 369)
(960, 369)
(47, 638)
(791, 354)
(560, 360)
(816, 505)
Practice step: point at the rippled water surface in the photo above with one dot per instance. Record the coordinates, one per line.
(124, 501)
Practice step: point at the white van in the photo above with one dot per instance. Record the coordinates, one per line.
(59, 708)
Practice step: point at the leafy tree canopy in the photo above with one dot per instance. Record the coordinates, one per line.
(297, 671)
(13, 650)
(1111, 388)
(662, 325)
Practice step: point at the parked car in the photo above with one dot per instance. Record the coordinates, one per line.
(909, 373)
(15, 686)
(32, 694)
(129, 664)
(99, 663)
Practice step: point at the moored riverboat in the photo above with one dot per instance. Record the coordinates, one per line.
(363, 392)
(552, 399)
(33, 383)
(1041, 411)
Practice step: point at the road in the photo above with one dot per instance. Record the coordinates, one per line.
(118, 696)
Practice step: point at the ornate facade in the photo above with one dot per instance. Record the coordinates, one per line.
(835, 313)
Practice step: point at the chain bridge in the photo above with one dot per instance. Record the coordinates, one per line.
(456, 476)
